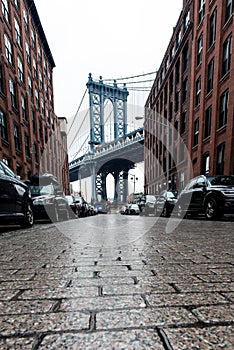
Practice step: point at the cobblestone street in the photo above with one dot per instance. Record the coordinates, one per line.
(81, 285)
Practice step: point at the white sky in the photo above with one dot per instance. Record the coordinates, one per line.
(109, 38)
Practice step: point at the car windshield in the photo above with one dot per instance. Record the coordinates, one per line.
(221, 180)
(170, 195)
(69, 199)
(150, 199)
(41, 190)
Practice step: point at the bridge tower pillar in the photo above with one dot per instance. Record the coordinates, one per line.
(98, 94)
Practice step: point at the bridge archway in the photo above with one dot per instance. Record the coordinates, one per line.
(98, 94)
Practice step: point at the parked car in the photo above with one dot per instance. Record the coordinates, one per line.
(82, 205)
(212, 195)
(132, 209)
(49, 200)
(15, 199)
(166, 203)
(148, 205)
(74, 212)
(102, 209)
(122, 210)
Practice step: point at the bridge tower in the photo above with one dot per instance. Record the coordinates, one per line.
(98, 94)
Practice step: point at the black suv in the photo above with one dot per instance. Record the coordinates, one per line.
(212, 195)
(148, 204)
(15, 199)
(49, 200)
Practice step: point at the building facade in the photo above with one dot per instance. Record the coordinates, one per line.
(189, 113)
(31, 137)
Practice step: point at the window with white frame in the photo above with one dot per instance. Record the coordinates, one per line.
(220, 159)
(3, 126)
(25, 19)
(12, 93)
(198, 92)
(30, 89)
(199, 49)
(20, 69)
(227, 51)
(210, 75)
(42, 107)
(196, 132)
(17, 137)
(17, 32)
(41, 80)
(37, 98)
(34, 68)
(8, 48)
(39, 53)
(1, 80)
(223, 111)
(26, 145)
(212, 27)
(33, 39)
(27, 50)
(201, 10)
(5, 10)
(229, 9)
(186, 21)
(23, 107)
(208, 116)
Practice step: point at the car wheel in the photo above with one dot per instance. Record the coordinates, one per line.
(211, 209)
(28, 216)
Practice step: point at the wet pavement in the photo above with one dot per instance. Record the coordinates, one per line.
(116, 282)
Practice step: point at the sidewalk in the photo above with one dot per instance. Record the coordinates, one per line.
(163, 291)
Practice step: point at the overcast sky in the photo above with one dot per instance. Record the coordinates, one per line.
(109, 38)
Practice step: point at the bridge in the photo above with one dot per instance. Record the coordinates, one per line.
(112, 142)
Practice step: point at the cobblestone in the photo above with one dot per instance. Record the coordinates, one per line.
(65, 286)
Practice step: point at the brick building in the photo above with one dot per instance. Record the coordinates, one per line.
(32, 138)
(194, 93)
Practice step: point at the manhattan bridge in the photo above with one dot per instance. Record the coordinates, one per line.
(104, 136)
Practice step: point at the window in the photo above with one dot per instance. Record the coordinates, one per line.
(183, 122)
(42, 107)
(30, 89)
(23, 107)
(34, 68)
(3, 126)
(201, 10)
(223, 109)
(5, 10)
(17, 32)
(17, 137)
(177, 100)
(227, 49)
(1, 81)
(26, 145)
(172, 53)
(210, 76)
(41, 80)
(212, 28)
(28, 57)
(196, 132)
(229, 9)
(199, 49)
(177, 71)
(178, 39)
(220, 159)
(25, 20)
(16, 2)
(208, 116)
(20, 70)
(37, 98)
(185, 57)
(184, 89)
(8, 48)
(39, 53)
(33, 39)
(198, 92)
(12, 93)
(205, 164)
(33, 121)
(45, 68)
(186, 21)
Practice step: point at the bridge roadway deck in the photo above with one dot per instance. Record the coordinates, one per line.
(130, 149)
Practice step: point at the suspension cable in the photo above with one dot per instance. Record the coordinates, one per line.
(77, 111)
(133, 76)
